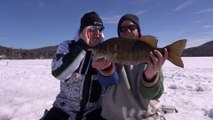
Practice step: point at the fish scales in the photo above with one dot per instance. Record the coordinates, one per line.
(134, 51)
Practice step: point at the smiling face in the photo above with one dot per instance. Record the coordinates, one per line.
(92, 35)
(128, 29)
(95, 34)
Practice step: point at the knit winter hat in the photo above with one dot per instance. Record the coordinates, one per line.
(90, 18)
(132, 18)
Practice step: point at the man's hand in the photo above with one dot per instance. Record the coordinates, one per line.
(154, 63)
(84, 35)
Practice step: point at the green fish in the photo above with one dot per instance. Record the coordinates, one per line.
(131, 51)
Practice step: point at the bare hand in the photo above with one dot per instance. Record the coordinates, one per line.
(84, 35)
(154, 63)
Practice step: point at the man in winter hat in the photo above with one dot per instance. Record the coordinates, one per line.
(80, 87)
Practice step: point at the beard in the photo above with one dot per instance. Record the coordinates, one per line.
(95, 41)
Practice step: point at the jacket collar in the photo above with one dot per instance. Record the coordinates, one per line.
(81, 43)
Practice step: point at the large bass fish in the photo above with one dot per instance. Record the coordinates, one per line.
(131, 51)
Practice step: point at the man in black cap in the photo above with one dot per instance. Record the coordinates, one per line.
(136, 95)
(80, 88)
(129, 30)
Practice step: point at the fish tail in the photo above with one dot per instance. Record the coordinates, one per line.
(175, 51)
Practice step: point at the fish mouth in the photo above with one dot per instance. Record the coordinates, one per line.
(94, 55)
(94, 58)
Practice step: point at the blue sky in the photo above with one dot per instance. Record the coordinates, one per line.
(38, 23)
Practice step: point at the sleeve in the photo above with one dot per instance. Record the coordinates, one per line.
(67, 60)
(152, 89)
(108, 76)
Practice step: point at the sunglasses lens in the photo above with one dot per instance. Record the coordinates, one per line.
(101, 29)
(125, 28)
(97, 28)
(132, 27)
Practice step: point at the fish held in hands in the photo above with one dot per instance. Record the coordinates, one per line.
(131, 51)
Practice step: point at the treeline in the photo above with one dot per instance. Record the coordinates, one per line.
(204, 50)
(49, 52)
(40, 53)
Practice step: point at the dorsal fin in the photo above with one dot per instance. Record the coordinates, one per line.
(149, 39)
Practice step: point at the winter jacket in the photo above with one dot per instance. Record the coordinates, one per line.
(132, 99)
(80, 91)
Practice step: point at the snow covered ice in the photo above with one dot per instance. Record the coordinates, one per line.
(190, 89)
(27, 88)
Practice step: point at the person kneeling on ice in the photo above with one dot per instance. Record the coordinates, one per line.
(140, 86)
(80, 90)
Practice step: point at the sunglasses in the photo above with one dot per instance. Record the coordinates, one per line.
(125, 28)
(97, 28)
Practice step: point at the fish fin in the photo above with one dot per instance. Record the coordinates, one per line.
(175, 51)
(149, 39)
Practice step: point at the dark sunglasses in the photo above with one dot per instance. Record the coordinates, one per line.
(125, 28)
(97, 28)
